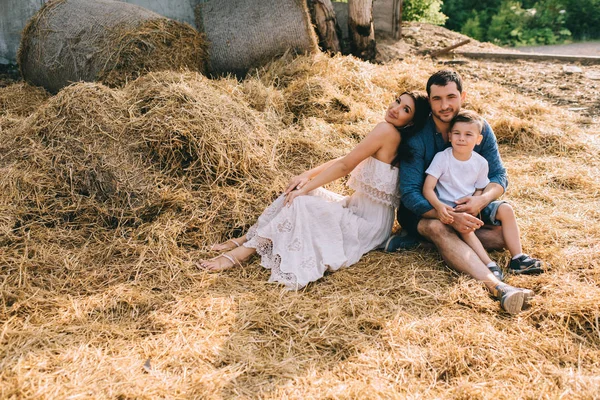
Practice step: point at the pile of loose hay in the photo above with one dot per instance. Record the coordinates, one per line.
(109, 196)
(104, 40)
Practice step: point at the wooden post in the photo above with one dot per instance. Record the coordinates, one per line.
(360, 25)
(323, 17)
(397, 20)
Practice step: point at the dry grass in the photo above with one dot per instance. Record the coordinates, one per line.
(109, 196)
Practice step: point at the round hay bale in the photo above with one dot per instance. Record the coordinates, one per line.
(105, 40)
(246, 33)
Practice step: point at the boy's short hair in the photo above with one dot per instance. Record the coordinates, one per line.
(442, 78)
(467, 116)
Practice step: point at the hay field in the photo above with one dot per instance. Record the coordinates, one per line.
(109, 196)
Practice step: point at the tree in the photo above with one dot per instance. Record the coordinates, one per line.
(323, 16)
(360, 25)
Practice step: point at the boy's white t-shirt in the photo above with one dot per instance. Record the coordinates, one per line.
(457, 179)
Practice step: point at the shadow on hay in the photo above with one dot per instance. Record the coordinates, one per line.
(282, 337)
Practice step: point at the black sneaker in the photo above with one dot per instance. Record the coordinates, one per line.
(497, 272)
(513, 300)
(401, 241)
(526, 265)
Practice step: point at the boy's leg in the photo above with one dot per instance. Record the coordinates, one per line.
(510, 229)
(471, 239)
(520, 263)
(476, 245)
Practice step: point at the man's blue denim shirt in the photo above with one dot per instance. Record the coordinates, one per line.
(424, 145)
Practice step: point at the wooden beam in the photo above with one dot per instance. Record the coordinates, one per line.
(449, 48)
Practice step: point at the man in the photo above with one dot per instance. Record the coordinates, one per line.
(418, 217)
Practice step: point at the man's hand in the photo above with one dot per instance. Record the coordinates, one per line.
(471, 204)
(465, 223)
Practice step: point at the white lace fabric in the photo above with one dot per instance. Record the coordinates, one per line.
(376, 179)
(324, 230)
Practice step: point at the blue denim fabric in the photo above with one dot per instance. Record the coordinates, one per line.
(424, 146)
(488, 214)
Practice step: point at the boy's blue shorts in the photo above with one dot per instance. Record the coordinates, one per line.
(488, 214)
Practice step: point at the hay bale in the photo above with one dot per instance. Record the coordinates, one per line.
(105, 40)
(246, 33)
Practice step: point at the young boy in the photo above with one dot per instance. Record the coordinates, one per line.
(457, 172)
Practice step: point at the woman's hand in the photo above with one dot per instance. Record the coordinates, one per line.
(297, 182)
(444, 214)
(289, 198)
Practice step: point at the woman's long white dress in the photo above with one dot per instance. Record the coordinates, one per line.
(324, 230)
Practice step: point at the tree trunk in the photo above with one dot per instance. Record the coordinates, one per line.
(360, 24)
(323, 17)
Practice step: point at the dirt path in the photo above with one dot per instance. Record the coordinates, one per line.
(572, 49)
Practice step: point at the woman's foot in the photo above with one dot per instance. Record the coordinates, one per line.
(227, 245)
(221, 262)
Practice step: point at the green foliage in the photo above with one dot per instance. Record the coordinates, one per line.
(583, 18)
(461, 11)
(510, 22)
(473, 28)
(544, 23)
(423, 11)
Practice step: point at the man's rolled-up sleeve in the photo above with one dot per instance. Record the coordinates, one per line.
(488, 149)
(412, 177)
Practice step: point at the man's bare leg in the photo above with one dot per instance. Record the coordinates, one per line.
(457, 254)
(491, 237)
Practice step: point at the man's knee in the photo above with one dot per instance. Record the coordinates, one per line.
(491, 237)
(433, 228)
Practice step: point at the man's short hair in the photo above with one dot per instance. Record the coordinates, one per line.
(467, 116)
(444, 77)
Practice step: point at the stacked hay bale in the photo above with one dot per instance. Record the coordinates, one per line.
(105, 40)
(244, 33)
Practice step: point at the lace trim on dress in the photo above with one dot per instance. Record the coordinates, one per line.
(264, 248)
(378, 180)
(392, 200)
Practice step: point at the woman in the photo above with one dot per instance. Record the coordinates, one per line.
(309, 230)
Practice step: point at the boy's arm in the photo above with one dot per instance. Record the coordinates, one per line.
(441, 208)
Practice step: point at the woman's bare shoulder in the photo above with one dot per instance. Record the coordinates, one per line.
(386, 131)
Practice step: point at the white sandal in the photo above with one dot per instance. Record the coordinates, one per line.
(234, 262)
(237, 244)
